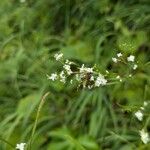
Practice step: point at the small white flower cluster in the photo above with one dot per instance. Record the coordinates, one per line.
(139, 115)
(63, 74)
(58, 56)
(53, 76)
(68, 69)
(119, 78)
(100, 81)
(20, 146)
(88, 77)
(144, 136)
(115, 60)
(84, 69)
(130, 59)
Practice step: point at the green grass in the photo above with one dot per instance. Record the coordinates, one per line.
(86, 31)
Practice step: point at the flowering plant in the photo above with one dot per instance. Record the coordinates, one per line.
(91, 77)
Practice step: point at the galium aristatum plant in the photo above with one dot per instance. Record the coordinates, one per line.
(92, 77)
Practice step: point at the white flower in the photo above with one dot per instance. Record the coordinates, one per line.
(139, 115)
(118, 77)
(58, 56)
(68, 69)
(142, 108)
(119, 54)
(62, 77)
(82, 69)
(90, 86)
(130, 75)
(92, 78)
(20, 146)
(89, 70)
(131, 58)
(85, 69)
(135, 66)
(68, 62)
(107, 71)
(144, 136)
(114, 60)
(53, 77)
(100, 81)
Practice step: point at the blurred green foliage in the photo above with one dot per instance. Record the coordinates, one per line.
(87, 31)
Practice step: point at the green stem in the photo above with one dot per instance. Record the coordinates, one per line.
(5, 141)
(37, 117)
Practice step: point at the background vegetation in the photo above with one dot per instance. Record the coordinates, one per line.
(89, 32)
